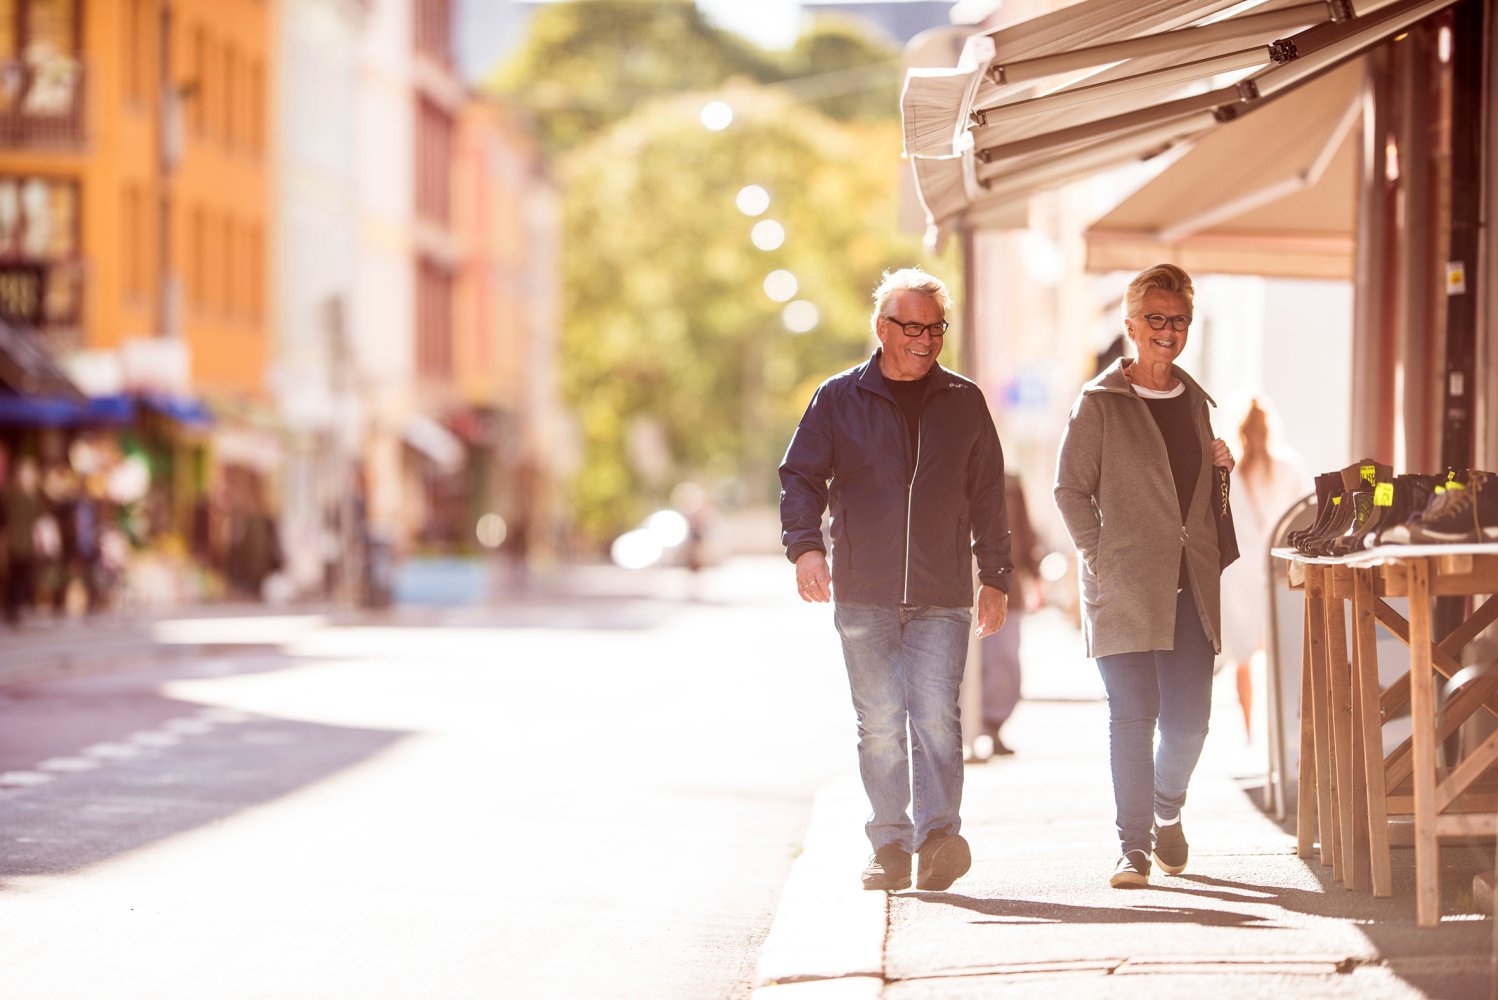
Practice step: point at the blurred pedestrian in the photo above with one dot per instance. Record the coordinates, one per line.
(904, 453)
(1134, 484)
(1000, 652)
(1269, 481)
(23, 507)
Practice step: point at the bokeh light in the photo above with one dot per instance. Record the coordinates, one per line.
(491, 531)
(800, 316)
(636, 549)
(753, 200)
(716, 116)
(668, 528)
(768, 234)
(781, 285)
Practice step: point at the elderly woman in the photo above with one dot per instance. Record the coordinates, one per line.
(1134, 484)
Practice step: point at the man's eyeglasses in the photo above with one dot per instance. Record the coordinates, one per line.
(1157, 321)
(916, 329)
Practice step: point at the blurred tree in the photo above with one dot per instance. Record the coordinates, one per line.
(589, 63)
(675, 359)
(844, 71)
(668, 319)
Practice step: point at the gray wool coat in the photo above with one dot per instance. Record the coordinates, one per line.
(1116, 494)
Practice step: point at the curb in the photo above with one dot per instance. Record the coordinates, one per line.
(827, 940)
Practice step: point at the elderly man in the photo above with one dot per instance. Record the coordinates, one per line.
(905, 454)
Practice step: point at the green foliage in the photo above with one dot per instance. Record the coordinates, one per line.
(667, 317)
(668, 332)
(844, 71)
(589, 63)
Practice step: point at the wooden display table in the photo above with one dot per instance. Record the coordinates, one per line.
(1348, 786)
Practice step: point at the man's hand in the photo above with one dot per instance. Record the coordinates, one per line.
(813, 579)
(993, 609)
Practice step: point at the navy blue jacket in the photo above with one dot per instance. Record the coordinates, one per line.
(905, 524)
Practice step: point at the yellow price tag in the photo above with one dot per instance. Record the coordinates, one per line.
(1383, 495)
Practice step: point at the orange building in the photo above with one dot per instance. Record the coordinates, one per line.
(135, 209)
(136, 136)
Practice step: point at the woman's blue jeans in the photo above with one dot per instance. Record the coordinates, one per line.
(1168, 689)
(905, 665)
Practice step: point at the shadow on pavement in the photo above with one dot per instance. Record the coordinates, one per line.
(149, 768)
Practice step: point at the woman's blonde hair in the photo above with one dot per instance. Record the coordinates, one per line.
(1161, 277)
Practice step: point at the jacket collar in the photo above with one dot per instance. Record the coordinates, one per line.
(1113, 379)
(871, 378)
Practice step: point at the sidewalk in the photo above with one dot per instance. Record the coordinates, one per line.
(1036, 917)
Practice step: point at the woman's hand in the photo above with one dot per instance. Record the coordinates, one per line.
(1221, 455)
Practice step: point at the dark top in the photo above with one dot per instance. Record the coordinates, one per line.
(1173, 417)
(909, 396)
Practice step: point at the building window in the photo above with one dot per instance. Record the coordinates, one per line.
(137, 53)
(434, 140)
(433, 33)
(133, 215)
(197, 249)
(41, 87)
(434, 292)
(255, 267)
(226, 267)
(39, 253)
(229, 92)
(198, 115)
(257, 107)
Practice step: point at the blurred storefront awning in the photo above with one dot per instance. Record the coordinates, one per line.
(1274, 194)
(1055, 98)
(434, 441)
(27, 368)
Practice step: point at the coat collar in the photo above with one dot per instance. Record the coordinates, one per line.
(871, 378)
(1113, 379)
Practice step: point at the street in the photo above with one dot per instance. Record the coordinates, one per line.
(592, 796)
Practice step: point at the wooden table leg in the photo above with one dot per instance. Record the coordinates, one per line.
(1305, 787)
(1369, 726)
(1352, 804)
(1328, 822)
(1423, 724)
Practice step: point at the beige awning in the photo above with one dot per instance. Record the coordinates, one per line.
(1274, 193)
(1102, 82)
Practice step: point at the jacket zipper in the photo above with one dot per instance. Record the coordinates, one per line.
(910, 502)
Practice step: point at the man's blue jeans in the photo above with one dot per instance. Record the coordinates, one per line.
(905, 665)
(1168, 688)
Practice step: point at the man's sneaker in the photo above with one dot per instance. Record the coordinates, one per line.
(889, 869)
(1131, 872)
(944, 858)
(1171, 848)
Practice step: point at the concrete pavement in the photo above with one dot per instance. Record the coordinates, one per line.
(1036, 917)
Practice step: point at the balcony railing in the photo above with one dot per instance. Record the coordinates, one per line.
(41, 102)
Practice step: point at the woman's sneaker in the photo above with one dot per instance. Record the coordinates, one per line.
(1171, 848)
(1131, 872)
